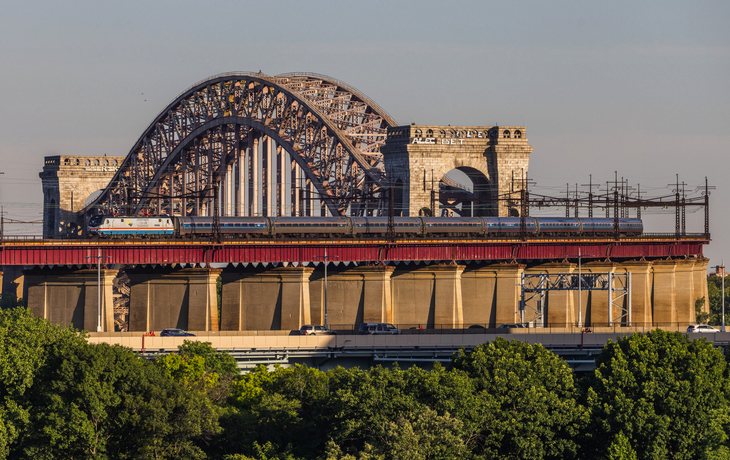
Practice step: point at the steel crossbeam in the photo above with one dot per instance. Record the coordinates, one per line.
(536, 286)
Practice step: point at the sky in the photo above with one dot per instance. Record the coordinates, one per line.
(640, 89)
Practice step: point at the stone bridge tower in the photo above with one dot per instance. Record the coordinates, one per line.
(67, 182)
(418, 159)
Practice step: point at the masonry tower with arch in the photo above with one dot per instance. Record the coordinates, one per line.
(419, 158)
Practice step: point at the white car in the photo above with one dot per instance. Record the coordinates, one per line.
(310, 329)
(701, 328)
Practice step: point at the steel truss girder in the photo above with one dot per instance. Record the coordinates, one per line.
(616, 285)
(332, 131)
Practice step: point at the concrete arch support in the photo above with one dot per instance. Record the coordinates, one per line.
(684, 278)
(560, 304)
(354, 295)
(428, 297)
(507, 293)
(664, 293)
(163, 298)
(70, 297)
(448, 302)
(478, 293)
(271, 299)
(596, 304)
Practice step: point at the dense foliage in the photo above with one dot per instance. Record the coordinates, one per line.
(714, 289)
(653, 396)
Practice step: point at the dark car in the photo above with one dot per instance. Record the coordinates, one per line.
(175, 333)
(510, 326)
(378, 328)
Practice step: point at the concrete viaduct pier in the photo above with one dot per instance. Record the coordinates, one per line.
(257, 297)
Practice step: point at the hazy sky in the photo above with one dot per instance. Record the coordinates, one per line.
(641, 88)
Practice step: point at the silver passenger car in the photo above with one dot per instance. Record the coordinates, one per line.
(203, 226)
(311, 225)
(460, 225)
(405, 226)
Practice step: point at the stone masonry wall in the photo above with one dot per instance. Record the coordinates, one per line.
(417, 157)
(67, 182)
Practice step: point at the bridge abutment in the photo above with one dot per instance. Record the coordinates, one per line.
(70, 297)
(354, 295)
(664, 292)
(271, 299)
(183, 298)
(599, 302)
(560, 309)
(685, 297)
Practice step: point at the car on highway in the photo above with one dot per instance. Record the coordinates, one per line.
(378, 328)
(175, 333)
(701, 328)
(311, 329)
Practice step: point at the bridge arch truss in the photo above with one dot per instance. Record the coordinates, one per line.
(296, 144)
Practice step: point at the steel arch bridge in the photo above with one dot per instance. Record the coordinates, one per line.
(296, 144)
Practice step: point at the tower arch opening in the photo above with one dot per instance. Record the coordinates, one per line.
(466, 192)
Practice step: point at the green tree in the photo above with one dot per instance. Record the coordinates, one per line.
(8, 300)
(25, 342)
(663, 392)
(714, 290)
(532, 400)
(280, 408)
(198, 366)
(103, 401)
(65, 398)
(700, 316)
(620, 448)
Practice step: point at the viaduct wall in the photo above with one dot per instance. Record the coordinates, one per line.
(663, 294)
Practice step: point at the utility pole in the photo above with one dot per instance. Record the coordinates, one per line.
(98, 287)
(326, 260)
(580, 288)
(723, 296)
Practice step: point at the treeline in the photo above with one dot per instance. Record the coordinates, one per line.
(653, 396)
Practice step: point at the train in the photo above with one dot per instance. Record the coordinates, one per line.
(102, 226)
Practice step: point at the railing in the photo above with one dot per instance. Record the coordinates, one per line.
(558, 328)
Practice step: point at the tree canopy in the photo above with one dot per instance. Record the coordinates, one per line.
(663, 392)
(656, 395)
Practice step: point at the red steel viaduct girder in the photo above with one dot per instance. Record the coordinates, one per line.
(84, 253)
